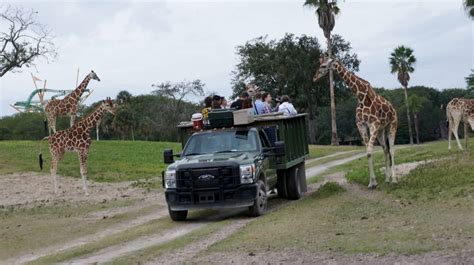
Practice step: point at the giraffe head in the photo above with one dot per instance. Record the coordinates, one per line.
(252, 89)
(93, 75)
(325, 64)
(109, 106)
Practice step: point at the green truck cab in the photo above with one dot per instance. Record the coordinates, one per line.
(237, 165)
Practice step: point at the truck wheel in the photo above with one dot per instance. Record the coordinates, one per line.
(293, 180)
(178, 215)
(260, 204)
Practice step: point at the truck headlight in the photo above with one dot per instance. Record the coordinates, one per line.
(247, 173)
(170, 179)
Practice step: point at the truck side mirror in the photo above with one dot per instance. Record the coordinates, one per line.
(168, 156)
(279, 148)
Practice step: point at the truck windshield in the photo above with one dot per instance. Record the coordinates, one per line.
(221, 142)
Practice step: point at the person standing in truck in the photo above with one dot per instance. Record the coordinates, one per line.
(258, 104)
(216, 102)
(207, 107)
(286, 107)
(238, 103)
(267, 103)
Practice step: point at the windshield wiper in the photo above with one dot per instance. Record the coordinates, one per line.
(226, 151)
(192, 154)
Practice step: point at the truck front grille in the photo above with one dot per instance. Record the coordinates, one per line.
(208, 178)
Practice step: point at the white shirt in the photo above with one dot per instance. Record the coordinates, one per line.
(287, 109)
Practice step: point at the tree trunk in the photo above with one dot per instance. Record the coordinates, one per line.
(410, 134)
(334, 139)
(133, 135)
(416, 128)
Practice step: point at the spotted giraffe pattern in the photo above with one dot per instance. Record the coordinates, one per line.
(76, 139)
(68, 105)
(376, 118)
(457, 110)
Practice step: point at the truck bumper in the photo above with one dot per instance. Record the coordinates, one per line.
(206, 199)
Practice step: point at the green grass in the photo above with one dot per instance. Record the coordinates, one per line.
(450, 172)
(316, 151)
(430, 209)
(109, 161)
(333, 220)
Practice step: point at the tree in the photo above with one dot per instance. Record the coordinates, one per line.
(416, 104)
(469, 7)
(23, 40)
(287, 67)
(326, 11)
(179, 91)
(470, 81)
(402, 61)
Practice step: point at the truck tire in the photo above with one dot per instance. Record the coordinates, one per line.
(178, 215)
(260, 204)
(293, 182)
(281, 184)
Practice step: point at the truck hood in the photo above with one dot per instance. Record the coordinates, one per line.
(239, 157)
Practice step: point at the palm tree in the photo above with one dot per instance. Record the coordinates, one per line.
(469, 6)
(401, 62)
(326, 11)
(416, 104)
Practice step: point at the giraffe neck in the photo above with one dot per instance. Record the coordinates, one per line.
(77, 93)
(92, 118)
(358, 85)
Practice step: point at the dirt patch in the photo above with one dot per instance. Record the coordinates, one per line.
(302, 257)
(22, 189)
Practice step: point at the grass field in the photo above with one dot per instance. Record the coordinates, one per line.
(109, 161)
(430, 209)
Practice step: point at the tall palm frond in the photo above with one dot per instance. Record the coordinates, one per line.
(326, 11)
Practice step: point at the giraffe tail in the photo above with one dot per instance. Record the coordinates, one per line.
(40, 157)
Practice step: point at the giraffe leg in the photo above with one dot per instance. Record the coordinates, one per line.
(450, 131)
(455, 132)
(373, 136)
(54, 169)
(382, 139)
(363, 133)
(83, 168)
(52, 123)
(391, 146)
(466, 134)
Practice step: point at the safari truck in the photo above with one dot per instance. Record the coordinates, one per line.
(236, 162)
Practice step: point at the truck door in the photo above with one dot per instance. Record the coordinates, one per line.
(269, 163)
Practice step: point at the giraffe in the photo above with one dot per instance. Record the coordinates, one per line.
(67, 105)
(75, 139)
(376, 118)
(457, 110)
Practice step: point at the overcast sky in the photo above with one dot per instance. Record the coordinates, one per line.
(133, 44)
